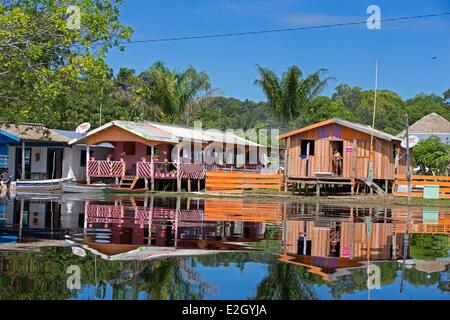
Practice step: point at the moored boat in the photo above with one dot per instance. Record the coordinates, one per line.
(39, 185)
(83, 188)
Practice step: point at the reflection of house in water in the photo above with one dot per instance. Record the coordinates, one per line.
(33, 219)
(206, 224)
(328, 245)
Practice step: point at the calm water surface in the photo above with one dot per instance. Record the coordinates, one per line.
(178, 248)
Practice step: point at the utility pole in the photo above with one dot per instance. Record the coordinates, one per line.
(408, 162)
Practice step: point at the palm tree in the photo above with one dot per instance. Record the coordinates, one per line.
(291, 94)
(174, 95)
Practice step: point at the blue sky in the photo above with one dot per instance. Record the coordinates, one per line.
(404, 49)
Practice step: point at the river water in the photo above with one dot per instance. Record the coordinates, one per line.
(97, 247)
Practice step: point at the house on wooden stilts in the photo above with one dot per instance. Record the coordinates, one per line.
(148, 153)
(309, 157)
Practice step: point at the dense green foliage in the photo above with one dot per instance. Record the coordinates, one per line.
(429, 246)
(432, 156)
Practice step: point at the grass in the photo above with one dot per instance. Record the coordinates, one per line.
(281, 196)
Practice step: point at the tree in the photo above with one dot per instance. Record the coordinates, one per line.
(172, 96)
(447, 94)
(230, 113)
(431, 155)
(289, 96)
(41, 59)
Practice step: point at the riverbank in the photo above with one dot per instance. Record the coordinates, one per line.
(271, 196)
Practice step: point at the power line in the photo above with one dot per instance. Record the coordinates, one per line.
(248, 33)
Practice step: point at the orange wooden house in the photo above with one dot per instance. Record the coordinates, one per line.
(309, 153)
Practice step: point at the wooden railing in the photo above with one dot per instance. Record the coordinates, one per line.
(417, 184)
(105, 169)
(236, 182)
(240, 210)
(422, 228)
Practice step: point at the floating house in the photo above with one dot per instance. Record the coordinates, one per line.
(35, 152)
(309, 155)
(154, 151)
(430, 125)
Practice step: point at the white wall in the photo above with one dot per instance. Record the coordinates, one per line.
(41, 165)
(12, 160)
(72, 160)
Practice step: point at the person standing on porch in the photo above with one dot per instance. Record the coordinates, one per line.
(337, 158)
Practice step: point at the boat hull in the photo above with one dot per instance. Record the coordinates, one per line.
(113, 190)
(39, 185)
(77, 188)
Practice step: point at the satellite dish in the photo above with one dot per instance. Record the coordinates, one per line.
(83, 128)
(413, 141)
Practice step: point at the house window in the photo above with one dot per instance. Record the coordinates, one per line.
(83, 157)
(129, 148)
(304, 147)
(37, 157)
(155, 151)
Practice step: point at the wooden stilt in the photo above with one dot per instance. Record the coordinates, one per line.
(318, 189)
(189, 185)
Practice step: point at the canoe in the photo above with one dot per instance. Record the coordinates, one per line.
(39, 185)
(83, 188)
(123, 190)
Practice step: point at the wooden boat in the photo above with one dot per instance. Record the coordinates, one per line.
(83, 188)
(39, 185)
(123, 190)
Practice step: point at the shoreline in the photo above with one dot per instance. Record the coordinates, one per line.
(283, 197)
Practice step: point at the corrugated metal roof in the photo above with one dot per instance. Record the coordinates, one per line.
(171, 134)
(205, 135)
(353, 125)
(74, 135)
(367, 129)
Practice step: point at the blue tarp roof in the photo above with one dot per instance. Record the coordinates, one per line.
(8, 138)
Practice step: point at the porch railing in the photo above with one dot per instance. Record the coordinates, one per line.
(106, 169)
(170, 170)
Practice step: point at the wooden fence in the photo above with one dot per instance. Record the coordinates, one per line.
(418, 183)
(237, 182)
(239, 210)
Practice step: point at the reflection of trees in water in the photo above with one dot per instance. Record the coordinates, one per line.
(43, 276)
(429, 246)
(287, 282)
(357, 279)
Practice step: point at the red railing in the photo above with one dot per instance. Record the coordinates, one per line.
(106, 169)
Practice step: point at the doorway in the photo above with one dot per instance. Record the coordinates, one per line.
(339, 146)
(18, 169)
(54, 163)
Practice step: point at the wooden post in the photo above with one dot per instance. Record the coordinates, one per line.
(286, 163)
(199, 185)
(189, 185)
(318, 189)
(386, 186)
(88, 152)
(22, 174)
(152, 183)
(178, 172)
(354, 166)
